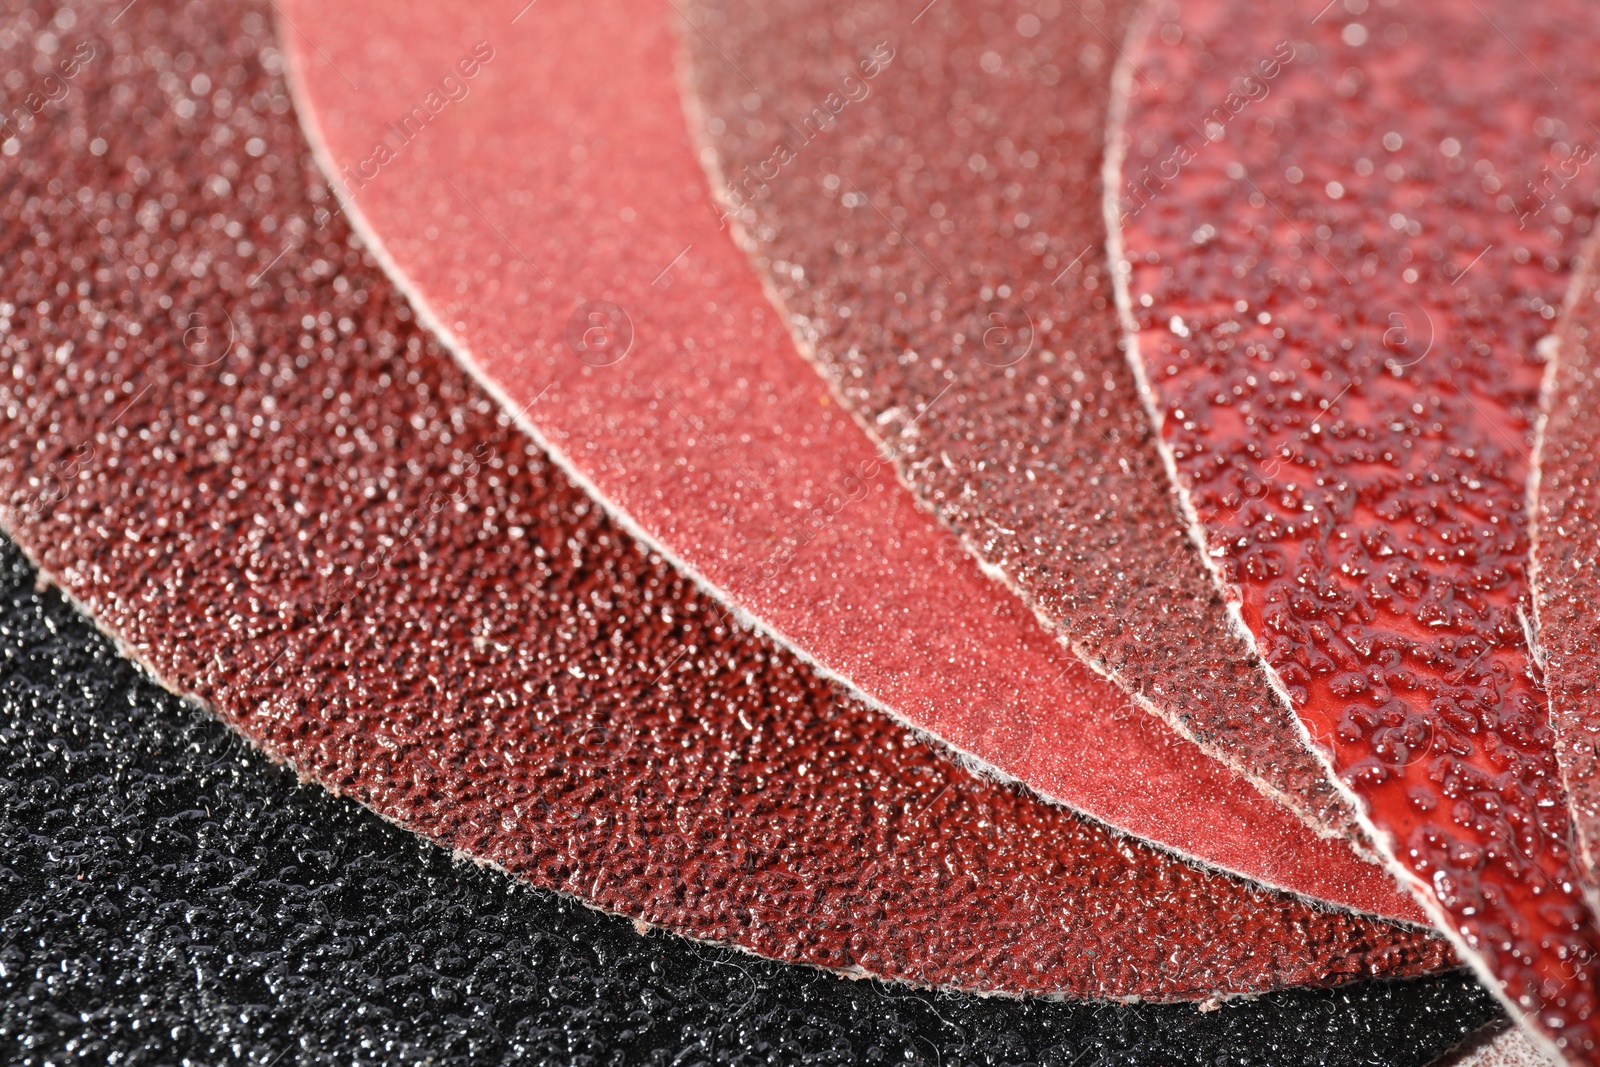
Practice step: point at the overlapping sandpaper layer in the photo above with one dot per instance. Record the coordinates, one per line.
(556, 226)
(1566, 548)
(923, 199)
(140, 838)
(230, 442)
(1347, 234)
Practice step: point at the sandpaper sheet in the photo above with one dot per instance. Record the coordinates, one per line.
(1511, 1048)
(935, 229)
(1347, 236)
(1566, 546)
(556, 228)
(229, 440)
(139, 839)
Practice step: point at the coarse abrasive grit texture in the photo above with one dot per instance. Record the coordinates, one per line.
(230, 442)
(171, 896)
(1346, 238)
(1566, 543)
(924, 203)
(557, 232)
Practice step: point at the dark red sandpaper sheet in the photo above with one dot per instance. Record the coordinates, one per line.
(555, 224)
(932, 225)
(228, 438)
(1566, 549)
(1347, 236)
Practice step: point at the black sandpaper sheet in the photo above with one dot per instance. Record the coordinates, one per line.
(169, 896)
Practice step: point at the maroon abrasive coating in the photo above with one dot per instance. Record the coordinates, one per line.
(936, 229)
(555, 225)
(1347, 234)
(1566, 549)
(228, 438)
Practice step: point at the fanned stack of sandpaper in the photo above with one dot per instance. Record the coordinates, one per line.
(1092, 503)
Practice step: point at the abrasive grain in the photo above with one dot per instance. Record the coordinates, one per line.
(941, 234)
(1347, 237)
(1567, 541)
(1510, 1048)
(557, 231)
(169, 896)
(229, 440)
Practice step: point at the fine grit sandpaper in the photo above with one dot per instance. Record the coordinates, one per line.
(923, 201)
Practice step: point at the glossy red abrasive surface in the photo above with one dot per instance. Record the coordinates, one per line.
(1566, 547)
(556, 219)
(1347, 237)
(228, 438)
(942, 234)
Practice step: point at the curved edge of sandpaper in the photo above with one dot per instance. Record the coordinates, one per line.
(1584, 280)
(1116, 253)
(462, 353)
(47, 579)
(128, 652)
(1472, 1041)
(1380, 840)
(1331, 821)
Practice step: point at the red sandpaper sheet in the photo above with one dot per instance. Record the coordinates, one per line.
(231, 442)
(1346, 236)
(1566, 547)
(927, 212)
(555, 225)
